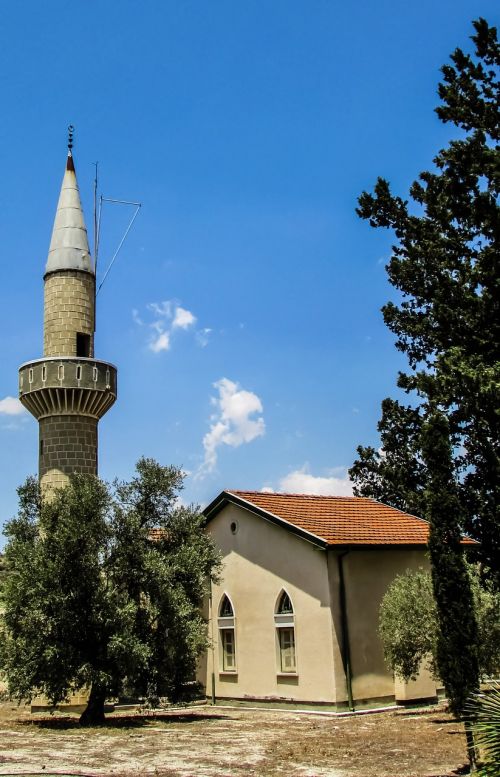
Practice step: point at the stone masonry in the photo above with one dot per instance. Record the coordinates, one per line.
(68, 390)
(68, 444)
(69, 308)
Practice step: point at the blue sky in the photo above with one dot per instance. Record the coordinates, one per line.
(243, 311)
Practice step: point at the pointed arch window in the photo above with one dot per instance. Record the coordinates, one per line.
(227, 642)
(284, 621)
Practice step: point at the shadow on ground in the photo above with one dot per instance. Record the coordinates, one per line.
(124, 721)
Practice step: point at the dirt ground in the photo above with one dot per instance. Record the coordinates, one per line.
(221, 742)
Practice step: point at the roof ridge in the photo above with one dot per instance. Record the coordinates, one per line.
(291, 493)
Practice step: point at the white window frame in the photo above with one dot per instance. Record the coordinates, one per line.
(285, 622)
(226, 623)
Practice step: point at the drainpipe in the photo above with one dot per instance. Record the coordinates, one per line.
(212, 647)
(346, 651)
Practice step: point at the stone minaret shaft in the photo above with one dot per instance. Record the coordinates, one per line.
(68, 391)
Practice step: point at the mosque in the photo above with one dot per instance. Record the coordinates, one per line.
(294, 618)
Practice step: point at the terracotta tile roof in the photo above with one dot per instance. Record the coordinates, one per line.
(335, 520)
(157, 534)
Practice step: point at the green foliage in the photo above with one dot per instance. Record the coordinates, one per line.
(457, 634)
(106, 589)
(3, 577)
(484, 711)
(409, 627)
(408, 624)
(445, 269)
(395, 475)
(487, 608)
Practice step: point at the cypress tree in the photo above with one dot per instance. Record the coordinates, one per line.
(446, 319)
(457, 634)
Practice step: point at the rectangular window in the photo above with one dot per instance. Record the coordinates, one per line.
(82, 345)
(286, 639)
(228, 650)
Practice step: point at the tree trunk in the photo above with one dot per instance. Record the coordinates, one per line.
(471, 745)
(93, 714)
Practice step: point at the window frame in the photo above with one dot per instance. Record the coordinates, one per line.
(284, 621)
(226, 624)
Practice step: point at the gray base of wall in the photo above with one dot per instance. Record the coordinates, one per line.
(77, 708)
(63, 708)
(427, 700)
(359, 704)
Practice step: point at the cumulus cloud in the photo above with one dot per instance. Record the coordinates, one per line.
(11, 406)
(233, 423)
(183, 319)
(335, 483)
(160, 342)
(166, 318)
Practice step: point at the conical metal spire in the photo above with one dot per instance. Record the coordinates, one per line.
(69, 246)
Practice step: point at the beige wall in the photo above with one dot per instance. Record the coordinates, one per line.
(259, 561)
(368, 574)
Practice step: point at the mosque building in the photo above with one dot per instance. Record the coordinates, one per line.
(294, 615)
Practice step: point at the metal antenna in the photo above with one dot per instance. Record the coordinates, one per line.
(95, 239)
(137, 206)
(71, 132)
(96, 164)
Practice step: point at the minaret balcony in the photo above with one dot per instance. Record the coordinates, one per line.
(67, 386)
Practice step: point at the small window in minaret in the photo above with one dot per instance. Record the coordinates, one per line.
(82, 345)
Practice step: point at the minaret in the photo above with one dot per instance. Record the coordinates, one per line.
(68, 391)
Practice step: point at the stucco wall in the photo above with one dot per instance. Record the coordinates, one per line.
(259, 561)
(368, 573)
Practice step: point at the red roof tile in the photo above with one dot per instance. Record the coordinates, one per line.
(338, 520)
(156, 534)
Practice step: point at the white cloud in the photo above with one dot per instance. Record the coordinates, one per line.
(300, 481)
(11, 406)
(234, 422)
(136, 317)
(168, 317)
(161, 342)
(163, 309)
(183, 318)
(203, 336)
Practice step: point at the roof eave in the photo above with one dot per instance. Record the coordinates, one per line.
(226, 497)
(350, 546)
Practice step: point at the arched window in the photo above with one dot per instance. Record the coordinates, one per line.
(284, 604)
(226, 608)
(284, 621)
(227, 643)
